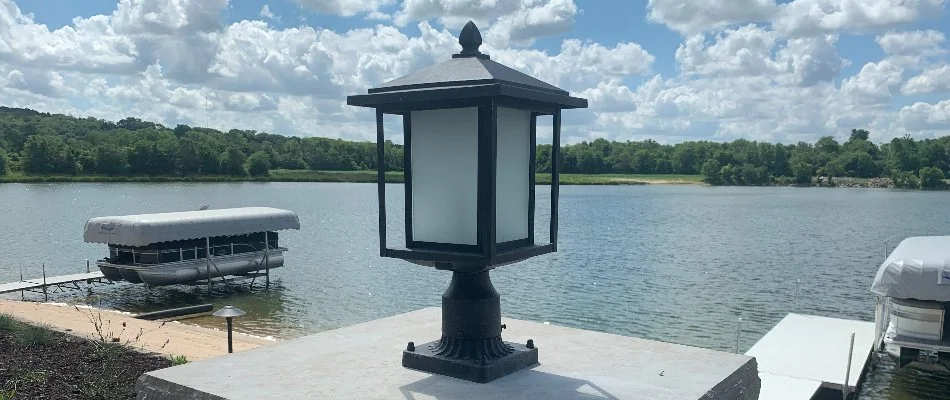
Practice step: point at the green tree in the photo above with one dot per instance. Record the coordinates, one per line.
(803, 172)
(111, 159)
(906, 180)
(931, 178)
(859, 134)
(4, 161)
(232, 162)
(258, 164)
(47, 154)
(752, 175)
(711, 172)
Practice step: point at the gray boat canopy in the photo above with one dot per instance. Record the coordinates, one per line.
(918, 268)
(145, 229)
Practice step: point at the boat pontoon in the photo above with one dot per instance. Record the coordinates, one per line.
(913, 309)
(183, 247)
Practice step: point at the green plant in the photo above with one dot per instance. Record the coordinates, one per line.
(108, 350)
(179, 360)
(29, 335)
(7, 323)
(7, 394)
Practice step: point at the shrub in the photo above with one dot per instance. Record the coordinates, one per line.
(4, 167)
(258, 164)
(179, 360)
(931, 178)
(7, 323)
(29, 335)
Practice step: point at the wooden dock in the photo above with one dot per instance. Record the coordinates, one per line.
(803, 354)
(58, 283)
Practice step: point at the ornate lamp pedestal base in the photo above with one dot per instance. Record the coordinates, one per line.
(428, 358)
(471, 347)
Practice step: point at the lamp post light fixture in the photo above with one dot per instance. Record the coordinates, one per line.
(469, 132)
(229, 312)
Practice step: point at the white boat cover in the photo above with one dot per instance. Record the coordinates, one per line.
(918, 268)
(145, 229)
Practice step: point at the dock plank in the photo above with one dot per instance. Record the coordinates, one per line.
(815, 349)
(16, 286)
(37, 283)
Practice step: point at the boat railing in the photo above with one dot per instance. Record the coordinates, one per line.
(156, 256)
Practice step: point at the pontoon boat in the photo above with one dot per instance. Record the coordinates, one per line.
(172, 248)
(913, 288)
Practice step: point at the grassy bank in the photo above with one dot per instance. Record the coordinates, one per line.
(40, 363)
(346, 176)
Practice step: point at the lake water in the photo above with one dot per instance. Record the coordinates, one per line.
(672, 263)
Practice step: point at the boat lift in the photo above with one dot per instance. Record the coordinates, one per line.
(47, 285)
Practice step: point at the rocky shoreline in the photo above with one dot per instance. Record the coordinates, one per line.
(874, 183)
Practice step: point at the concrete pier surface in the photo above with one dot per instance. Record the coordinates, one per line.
(804, 353)
(363, 361)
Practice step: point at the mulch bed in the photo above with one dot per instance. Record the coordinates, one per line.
(38, 363)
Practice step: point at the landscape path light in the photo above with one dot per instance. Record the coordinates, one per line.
(469, 141)
(229, 312)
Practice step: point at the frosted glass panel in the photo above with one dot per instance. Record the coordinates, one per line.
(514, 147)
(444, 157)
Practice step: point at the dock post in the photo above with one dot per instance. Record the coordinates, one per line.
(266, 261)
(208, 261)
(738, 333)
(45, 295)
(798, 293)
(845, 391)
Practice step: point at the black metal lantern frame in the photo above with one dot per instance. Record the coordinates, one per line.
(471, 346)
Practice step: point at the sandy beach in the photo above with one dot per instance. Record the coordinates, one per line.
(171, 338)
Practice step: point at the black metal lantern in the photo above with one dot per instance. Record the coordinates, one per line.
(469, 127)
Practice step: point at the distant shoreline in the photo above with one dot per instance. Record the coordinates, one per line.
(397, 177)
(347, 176)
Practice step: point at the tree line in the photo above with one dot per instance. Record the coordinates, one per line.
(38, 143)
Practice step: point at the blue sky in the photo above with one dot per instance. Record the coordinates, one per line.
(667, 70)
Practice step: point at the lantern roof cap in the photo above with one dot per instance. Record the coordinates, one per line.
(467, 74)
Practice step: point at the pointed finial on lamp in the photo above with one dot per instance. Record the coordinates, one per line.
(470, 38)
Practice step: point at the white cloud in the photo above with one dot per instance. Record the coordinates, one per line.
(45, 83)
(754, 51)
(912, 43)
(925, 116)
(268, 14)
(813, 17)
(507, 21)
(875, 84)
(346, 8)
(697, 16)
(90, 44)
(525, 24)
(168, 16)
(747, 50)
(579, 65)
(929, 81)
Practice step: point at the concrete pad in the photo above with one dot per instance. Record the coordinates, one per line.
(363, 361)
(816, 349)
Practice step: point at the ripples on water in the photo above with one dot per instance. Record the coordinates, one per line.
(673, 263)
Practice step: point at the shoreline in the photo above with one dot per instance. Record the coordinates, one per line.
(169, 338)
(348, 177)
(397, 177)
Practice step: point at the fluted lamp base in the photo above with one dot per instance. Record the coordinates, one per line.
(471, 347)
(432, 357)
